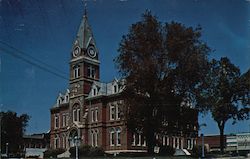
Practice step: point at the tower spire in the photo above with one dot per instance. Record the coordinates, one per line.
(85, 8)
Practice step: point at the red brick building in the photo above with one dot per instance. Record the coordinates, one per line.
(211, 142)
(91, 110)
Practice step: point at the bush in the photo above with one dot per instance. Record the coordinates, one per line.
(53, 153)
(96, 151)
(167, 151)
(86, 150)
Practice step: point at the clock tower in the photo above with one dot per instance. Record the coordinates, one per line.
(84, 70)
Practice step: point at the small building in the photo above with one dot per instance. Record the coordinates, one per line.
(35, 144)
(211, 142)
(231, 143)
(243, 143)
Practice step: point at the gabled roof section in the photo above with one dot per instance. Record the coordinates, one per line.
(84, 35)
(106, 89)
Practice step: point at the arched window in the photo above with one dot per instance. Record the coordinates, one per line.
(56, 121)
(94, 138)
(76, 69)
(112, 137)
(118, 137)
(76, 113)
(91, 72)
(56, 142)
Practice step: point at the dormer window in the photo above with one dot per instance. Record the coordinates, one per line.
(115, 88)
(76, 69)
(94, 91)
(66, 98)
(59, 101)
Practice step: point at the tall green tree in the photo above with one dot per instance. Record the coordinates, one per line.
(227, 94)
(12, 129)
(164, 65)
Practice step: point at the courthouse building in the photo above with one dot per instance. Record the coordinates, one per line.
(90, 110)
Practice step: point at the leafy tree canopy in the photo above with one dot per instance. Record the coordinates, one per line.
(227, 94)
(12, 129)
(164, 65)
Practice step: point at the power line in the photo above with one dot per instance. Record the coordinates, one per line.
(31, 57)
(32, 63)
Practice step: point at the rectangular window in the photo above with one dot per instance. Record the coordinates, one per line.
(134, 140)
(91, 72)
(92, 115)
(96, 139)
(78, 114)
(139, 140)
(63, 120)
(118, 138)
(118, 112)
(96, 114)
(115, 89)
(56, 121)
(74, 115)
(92, 139)
(76, 71)
(112, 138)
(112, 112)
(67, 119)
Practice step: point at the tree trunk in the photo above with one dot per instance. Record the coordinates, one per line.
(150, 141)
(221, 127)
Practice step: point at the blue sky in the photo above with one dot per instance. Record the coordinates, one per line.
(45, 29)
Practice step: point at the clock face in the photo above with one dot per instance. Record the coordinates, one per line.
(76, 51)
(91, 51)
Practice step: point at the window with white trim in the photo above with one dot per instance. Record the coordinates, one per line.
(76, 114)
(67, 119)
(56, 142)
(76, 69)
(56, 121)
(134, 140)
(92, 138)
(91, 72)
(96, 114)
(118, 137)
(63, 120)
(139, 140)
(112, 137)
(92, 115)
(118, 112)
(112, 112)
(96, 138)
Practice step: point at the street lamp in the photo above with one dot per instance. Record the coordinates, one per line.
(76, 143)
(75, 140)
(202, 142)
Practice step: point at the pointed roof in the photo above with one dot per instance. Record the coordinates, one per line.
(84, 35)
